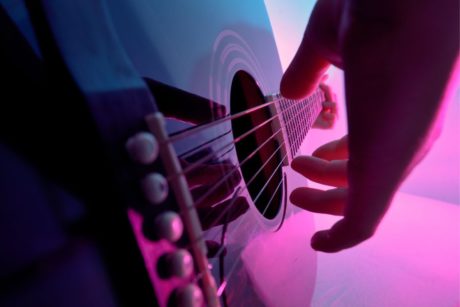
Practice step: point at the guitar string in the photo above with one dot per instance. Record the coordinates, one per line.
(179, 135)
(292, 118)
(310, 99)
(257, 127)
(227, 276)
(222, 248)
(309, 118)
(237, 167)
(193, 150)
(273, 196)
(211, 155)
(247, 185)
(204, 219)
(234, 265)
(216, 186)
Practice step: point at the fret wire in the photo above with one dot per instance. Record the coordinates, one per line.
(301, 128)
(308, 120)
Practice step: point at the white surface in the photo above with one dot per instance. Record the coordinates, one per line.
(413, 260)
(281, 265)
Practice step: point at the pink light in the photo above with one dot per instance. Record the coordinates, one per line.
(413, 260)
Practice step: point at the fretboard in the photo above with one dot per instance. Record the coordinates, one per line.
(297, 118)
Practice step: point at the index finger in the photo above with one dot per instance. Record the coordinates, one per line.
(317, 51)
(305, 71)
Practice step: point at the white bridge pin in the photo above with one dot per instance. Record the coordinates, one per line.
(169, 226)
(155, 188)
(142, 147)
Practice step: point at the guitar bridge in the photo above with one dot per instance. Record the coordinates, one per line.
(156, 124)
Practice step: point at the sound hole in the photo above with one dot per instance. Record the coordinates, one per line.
(262, 172)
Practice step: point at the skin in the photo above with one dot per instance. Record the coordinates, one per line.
(398, 57)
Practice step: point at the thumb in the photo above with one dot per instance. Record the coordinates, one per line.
(316, 52)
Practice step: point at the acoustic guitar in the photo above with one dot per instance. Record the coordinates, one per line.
(183, 143)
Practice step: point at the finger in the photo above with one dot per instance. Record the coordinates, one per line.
(326, 119)
(304, 73)
(332, 173)
(317, 51)
(323, 124)
(341, 236)
(185, 106)
(319, 201)
(330, 107)
(328, 93)
(329, 117)
(335, 150)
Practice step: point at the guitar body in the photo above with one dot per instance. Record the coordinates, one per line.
(200, 48)
(214, 56)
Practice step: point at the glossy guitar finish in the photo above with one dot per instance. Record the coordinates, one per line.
(115, 56)
(199, 48)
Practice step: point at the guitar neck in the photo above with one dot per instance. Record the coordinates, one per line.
(296, 118)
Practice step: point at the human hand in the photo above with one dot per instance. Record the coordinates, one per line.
(327, 165)
(385, 48)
